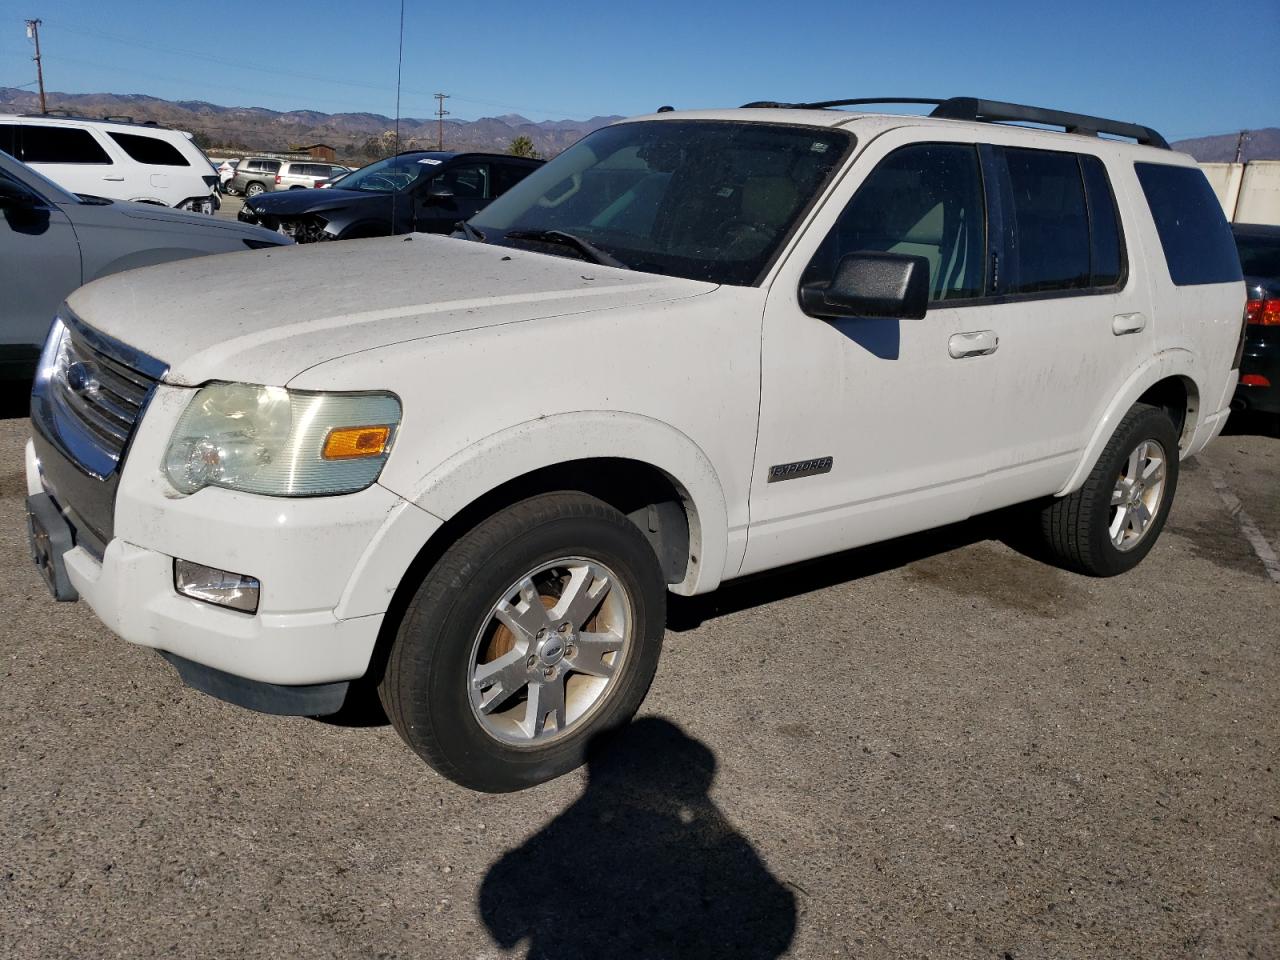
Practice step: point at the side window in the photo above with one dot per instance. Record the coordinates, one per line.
(469, 181)
(41, 144)
(1107, 265)
(8, 139)
(507, 175)
(150, 150)
(1049, 236)
(1197, 241)
(270, 166)
(925, 200)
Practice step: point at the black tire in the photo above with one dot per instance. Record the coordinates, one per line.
(254, 189)
(425, 688)
(1076, 528)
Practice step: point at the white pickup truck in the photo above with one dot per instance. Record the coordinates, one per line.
(694, 346)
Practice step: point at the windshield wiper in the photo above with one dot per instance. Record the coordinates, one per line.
(588, 250)
(470, 232)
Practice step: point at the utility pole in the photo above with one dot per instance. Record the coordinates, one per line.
(33, 33)
(441, 113)
(1240, 145)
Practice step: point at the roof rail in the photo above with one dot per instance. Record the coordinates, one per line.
(68, 115)
(996, 111)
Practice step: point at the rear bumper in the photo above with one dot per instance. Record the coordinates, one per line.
(1261, 359)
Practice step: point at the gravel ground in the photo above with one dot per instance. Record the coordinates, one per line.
(938, 747)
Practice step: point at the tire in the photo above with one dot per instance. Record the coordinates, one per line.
(471, 612)
(254, 189)
(1084, 532)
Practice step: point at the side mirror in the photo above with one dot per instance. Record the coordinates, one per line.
(13, 197)
(869, 284)
(439, 193)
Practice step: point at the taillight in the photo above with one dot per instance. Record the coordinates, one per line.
(1263, 312)
(1255, 380)
(277, 178)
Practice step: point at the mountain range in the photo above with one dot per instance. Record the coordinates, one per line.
(353, 135)
(363, 135)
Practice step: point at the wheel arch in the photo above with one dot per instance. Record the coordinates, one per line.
(1166, 380)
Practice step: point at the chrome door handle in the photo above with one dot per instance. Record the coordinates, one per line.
(978, 343)
(118, 179)
(1123, 323)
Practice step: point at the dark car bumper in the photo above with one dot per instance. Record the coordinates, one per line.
(1261, 365)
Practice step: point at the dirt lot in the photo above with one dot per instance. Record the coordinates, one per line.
(936, 748)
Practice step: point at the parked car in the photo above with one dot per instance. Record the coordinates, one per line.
(226, 170)
(52, 241)
(116, 159)
(418, 191)
(254, 175)
(1259, 387)
(692, 347)
(306, 174)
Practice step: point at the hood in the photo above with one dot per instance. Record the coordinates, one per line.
(292, 203)
(266, 316)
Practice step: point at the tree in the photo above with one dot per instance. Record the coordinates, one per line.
(522, 146)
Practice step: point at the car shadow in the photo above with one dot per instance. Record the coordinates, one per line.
(642, 865)
(1250, 423)
(1012, 527)
(15, 398)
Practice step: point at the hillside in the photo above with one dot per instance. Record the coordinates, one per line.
(255, 128)
(1261, 144)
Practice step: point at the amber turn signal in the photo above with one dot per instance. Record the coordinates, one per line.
(351, 443)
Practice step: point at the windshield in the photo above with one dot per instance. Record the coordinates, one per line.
(394, 173)
(703, 199)
(1260, 257)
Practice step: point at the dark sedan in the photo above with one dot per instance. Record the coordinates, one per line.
(1259, 387)
(415, 192)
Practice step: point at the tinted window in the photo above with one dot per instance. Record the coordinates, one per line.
(9, 139)
(1106, 249)
(59, 145)
(1260, 256)
(1048, 236)
(925, 200)
(1197, 241)
(470, 181)
(150, 150)
(507, 175)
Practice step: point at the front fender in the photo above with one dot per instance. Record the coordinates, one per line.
(1173, 362)
(562, 438)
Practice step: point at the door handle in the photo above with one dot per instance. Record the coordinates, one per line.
(978, 343)
(1123, 323)
(118, 179)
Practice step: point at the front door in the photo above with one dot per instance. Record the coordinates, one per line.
(873, 428)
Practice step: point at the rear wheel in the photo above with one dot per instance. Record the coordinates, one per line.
(1112, 522)
(537, 631)
(254, 189)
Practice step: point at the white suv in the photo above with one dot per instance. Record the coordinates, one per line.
(117, 159)
(692, 347)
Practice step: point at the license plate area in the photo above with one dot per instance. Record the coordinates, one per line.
(50, 537)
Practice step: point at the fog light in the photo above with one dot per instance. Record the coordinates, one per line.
(220, 587)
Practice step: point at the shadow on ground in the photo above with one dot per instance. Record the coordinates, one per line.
(1251, 423)
(15, 398)
(642, 865)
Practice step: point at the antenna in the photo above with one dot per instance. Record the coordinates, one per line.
(441, 113)
(396, 153)
(33, 33)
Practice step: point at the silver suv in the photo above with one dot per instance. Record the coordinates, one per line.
(254, 175)
(302, 174)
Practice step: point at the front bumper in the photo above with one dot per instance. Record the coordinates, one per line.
(328, 565)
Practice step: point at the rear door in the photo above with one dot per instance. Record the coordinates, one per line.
(1074, 319)
(471, 186)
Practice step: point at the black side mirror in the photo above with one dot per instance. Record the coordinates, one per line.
(869, 284)
(439, 193)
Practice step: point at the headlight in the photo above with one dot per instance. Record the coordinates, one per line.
(282, 443)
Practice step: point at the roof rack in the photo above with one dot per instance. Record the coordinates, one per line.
(996, 111)
(68, 115)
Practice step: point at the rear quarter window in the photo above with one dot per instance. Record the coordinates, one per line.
(1197, 242)
(150, 150)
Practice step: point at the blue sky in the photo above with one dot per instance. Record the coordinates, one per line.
(1187, 69)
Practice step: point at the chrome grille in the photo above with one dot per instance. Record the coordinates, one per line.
(104, 395)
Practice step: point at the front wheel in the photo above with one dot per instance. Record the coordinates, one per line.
(1108, 525)
(534, 633)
